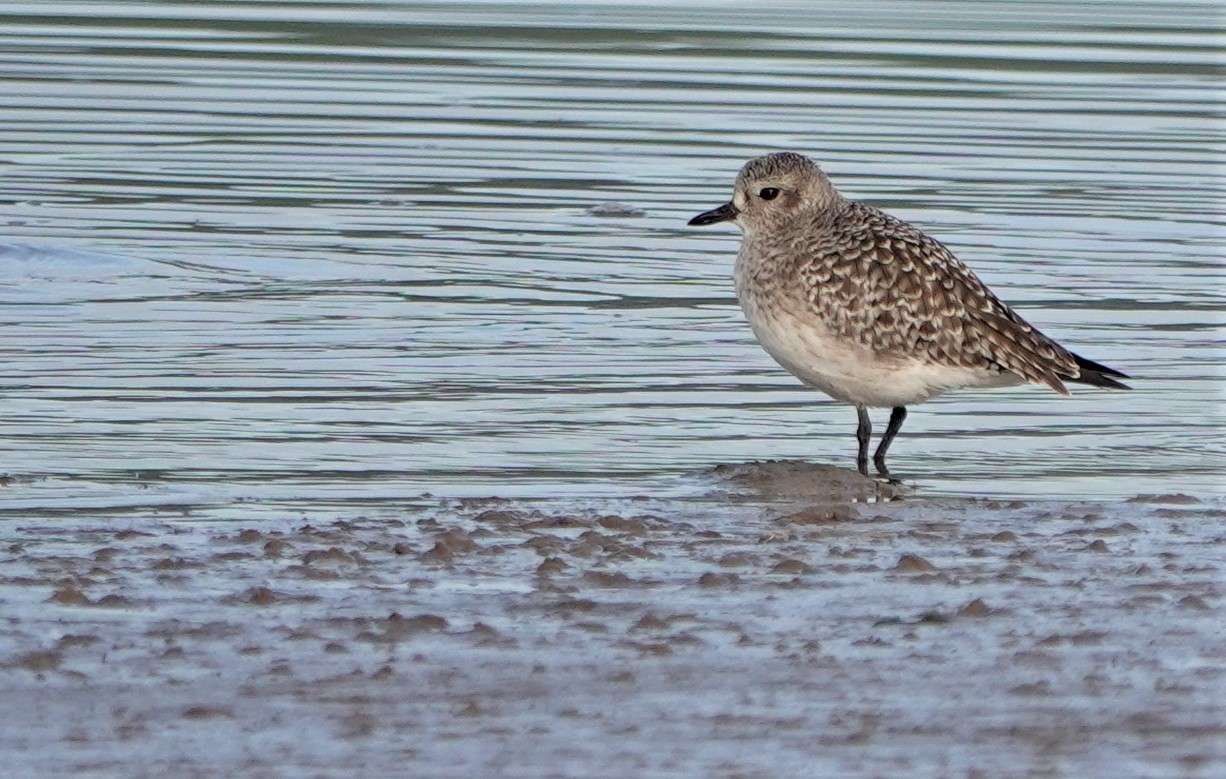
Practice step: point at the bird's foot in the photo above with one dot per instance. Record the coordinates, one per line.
(884, 472)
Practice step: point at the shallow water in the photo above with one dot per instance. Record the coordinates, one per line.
(296, 256)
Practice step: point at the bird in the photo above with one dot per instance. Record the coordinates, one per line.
(868, 308)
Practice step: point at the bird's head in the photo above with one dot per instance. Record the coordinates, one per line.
(772, 190)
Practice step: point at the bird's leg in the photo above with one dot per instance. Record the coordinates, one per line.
(863, 433)
(896, 419)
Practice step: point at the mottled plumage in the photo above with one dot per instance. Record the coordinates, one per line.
(868, 308)
(881, 282)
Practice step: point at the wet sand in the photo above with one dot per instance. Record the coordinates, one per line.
(792, 621)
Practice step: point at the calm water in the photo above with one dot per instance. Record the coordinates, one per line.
(289, 255)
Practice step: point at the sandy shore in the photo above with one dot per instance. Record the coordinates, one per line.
(793, 621)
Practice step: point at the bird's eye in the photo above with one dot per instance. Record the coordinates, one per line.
(768, 193)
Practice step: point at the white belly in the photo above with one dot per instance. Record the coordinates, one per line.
(849, 372)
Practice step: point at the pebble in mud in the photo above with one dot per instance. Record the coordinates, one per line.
(1193, 602)
(71, 640)
(649, 622)
(976, 608)
(713, 579)
(114, 601)
(264, 596)
(332, 555)
(791, 566)
(609, 579)
(396, 626)
(70, 596)
(910, 563)
(206, 712)
(1178, 499)
(38, 660)
(820, 515)
(628, 526)
(736, 560)
(550, 566)
(448, 546)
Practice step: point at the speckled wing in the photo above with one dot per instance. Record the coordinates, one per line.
(878, 280)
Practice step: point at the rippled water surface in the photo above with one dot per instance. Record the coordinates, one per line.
(340, 253)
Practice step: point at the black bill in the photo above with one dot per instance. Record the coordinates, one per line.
(725, 213)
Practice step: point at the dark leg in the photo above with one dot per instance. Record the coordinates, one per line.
(896, 419)
(863, 433)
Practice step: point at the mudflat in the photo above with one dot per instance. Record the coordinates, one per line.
(791, 620)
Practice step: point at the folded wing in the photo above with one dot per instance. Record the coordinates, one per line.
(881, 281)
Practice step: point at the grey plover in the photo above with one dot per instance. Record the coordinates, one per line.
(869, 309)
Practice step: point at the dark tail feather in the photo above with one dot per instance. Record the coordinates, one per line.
(1097, 375)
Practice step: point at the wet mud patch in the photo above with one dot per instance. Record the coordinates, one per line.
(838, 630)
